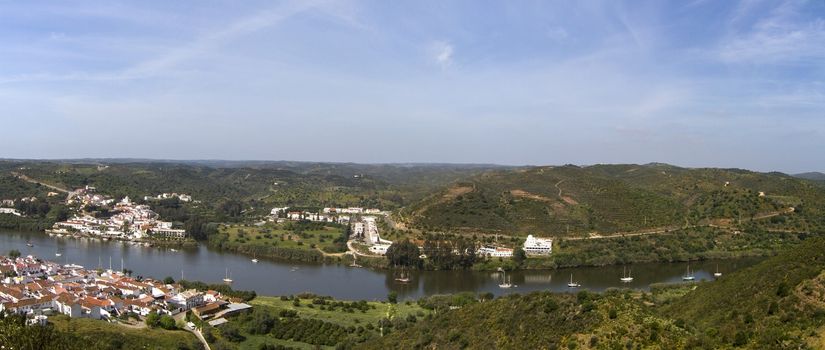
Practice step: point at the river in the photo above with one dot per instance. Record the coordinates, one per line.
(339, 281)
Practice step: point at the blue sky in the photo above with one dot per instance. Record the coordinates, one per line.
(692, 83)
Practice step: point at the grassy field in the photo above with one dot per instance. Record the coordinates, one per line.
(286, 235)
(377, 311)
(104, 335)
(313, 323)
(254, 342)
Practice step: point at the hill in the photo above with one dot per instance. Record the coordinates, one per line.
(814, 175)
(258, 185)
(614, 198)
(775, 304)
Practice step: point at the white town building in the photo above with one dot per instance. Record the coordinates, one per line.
(538, 246)
(495, 252)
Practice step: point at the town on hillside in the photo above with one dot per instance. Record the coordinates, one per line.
(38, 289)
(129, 221)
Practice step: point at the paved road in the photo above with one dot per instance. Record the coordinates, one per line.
(28, 179)
(23, 177)
(181, 317)
(352, 250)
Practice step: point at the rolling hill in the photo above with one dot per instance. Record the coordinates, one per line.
(301, 184)
(775, 304)
(814, 175)
(613, 198)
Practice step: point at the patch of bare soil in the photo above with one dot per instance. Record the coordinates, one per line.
(456, 191)
(569, 200)
(525, 194)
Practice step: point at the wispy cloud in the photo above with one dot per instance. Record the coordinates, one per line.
(442, 53)
(643, 80)
(209, 41)
(784, 36)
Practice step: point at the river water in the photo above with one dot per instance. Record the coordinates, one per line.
(270, 277)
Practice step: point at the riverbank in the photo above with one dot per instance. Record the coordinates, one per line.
(291, 241)
(679, 246)
(148, 242)
(339, 279)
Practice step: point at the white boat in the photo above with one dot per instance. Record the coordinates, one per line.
(572, 284)
(505, 283)
(626, 278)
(688, 275)
(227, 279)
(254, 261)
(173, 250)
(717, 273)
(405, 278)
(29, 244)
(58, 254)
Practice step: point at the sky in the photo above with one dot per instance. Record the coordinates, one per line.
(694, 83)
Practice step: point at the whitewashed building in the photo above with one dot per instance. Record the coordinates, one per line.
(538, 246)
(495, 252)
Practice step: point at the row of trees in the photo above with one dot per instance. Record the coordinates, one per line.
(442, 253)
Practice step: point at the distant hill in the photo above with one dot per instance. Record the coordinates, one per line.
(814, 175)
(609, 198)
(267, 183)
(776, 304)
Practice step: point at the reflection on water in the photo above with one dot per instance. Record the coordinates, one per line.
(281, 278)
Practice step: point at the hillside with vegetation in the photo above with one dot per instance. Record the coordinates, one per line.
(604, 199)
(63, 333)
(814, 175)
(779, 303)
(257, 185)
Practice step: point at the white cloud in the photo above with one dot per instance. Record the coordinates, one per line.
(443, 53)
(777, 42)
(783, 36)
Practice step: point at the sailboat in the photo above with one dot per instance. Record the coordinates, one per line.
(505, 283)
(688, 275)
(626, 278)
(254, 259)
(227, 279)
(405, 277)
(717, 273)
(57, 253)
(30, 244)
(572, 284)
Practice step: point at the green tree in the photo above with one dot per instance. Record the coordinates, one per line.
(392, 297)
(14, 253)
(152, 320)
(519, 256)
(167, 322)
(404, 253)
